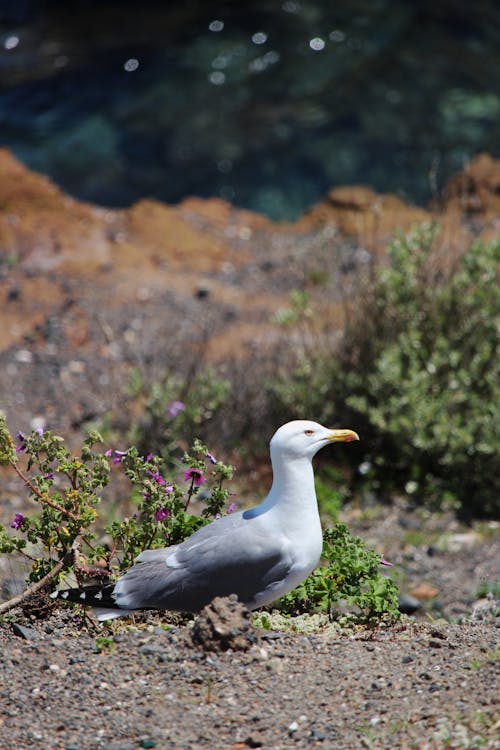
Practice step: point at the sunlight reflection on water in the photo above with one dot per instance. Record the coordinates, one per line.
(289, 98)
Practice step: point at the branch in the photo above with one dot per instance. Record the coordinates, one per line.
(43, 498)
(39, 585)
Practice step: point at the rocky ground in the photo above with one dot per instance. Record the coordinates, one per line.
(414, 685)
(86, 296)
(428, 682)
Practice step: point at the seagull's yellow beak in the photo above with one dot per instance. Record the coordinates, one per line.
(342, 436)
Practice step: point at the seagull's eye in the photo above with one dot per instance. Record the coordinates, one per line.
(308, 432)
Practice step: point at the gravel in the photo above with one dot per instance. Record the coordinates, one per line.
(413, 685)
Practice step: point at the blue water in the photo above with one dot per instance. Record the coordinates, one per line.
(267, 104)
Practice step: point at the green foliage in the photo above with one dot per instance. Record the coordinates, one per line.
(67, 490)
(7, 447)
(331, 492)
(351, 575)
(299, 310)
(432, 392)
(104, 644)
(418, 375)
(174, 410)
(162, 518)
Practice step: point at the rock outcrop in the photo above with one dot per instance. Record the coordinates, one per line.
(88, 293)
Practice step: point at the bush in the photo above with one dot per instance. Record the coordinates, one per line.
(68, 488)
(418, 375)
(351, 575)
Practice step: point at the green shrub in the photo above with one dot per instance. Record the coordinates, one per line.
(351, 575)
(418, 376)
(67, 489)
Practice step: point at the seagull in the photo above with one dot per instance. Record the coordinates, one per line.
(259, 554)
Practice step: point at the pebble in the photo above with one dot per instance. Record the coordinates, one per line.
(275, 665)
(24, 356)
(254, 740)
(408, 605)
(29, 634)
(318, 735)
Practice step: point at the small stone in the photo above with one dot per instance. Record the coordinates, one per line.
(318, 735)
(202, 292)
(293, 726)
(29, 634)
(24, 356)
(457, 542)
(254, 740)
(13, 293)
(408, 605)
(434, 643)
(424, 591)
(407, 659)
(275, 665)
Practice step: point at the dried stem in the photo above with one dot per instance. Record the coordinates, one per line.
(39, 585)
(43, 498)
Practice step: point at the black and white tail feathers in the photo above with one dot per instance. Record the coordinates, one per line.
(100, 598)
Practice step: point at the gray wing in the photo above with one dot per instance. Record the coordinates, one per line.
(233, 555)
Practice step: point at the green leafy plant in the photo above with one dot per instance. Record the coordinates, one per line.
(104, 644)
(162, 518)
(67, 490)
(351, 575)
(418, 373)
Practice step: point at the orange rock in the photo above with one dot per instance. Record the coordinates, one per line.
(369, 216)
(424, 591)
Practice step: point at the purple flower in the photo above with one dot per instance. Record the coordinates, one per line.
(39, 431)
(50, 475)
(161, 514)
(385, 562)
(211, 458)
(117, 455)
(175, 408)
(149, 457)
(22, 442)
(194, 475)
(162, 482)
(18, 521)
(230, 509)
(157, 477)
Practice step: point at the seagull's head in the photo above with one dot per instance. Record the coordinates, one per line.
(303, 439)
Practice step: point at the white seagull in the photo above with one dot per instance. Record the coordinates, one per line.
(258, 554)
